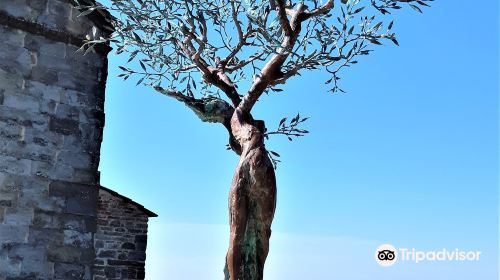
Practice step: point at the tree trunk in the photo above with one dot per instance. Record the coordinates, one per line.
(252, 201)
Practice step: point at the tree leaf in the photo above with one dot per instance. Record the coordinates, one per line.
(140, 81)
(275, 153)
(137, 37)
(282, 122)
(395, 41)
(416, 8)
(358, 10)
(142, 65)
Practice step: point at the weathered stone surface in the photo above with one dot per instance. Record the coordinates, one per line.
(29, 10)
(51, 103)
(10, 267)
(65, 254)
(44, 46)
(64, 271)
(120, 241)
(77, 238)
(64, 126)
(15, 60)
(57, 14)
(13, 233)
(45, 235)
(9, 164)
(12, 37)
(18, 216)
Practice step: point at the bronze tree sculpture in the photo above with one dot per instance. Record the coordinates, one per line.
(201, 52)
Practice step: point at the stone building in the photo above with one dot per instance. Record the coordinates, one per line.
(51, 124)
(121, 237)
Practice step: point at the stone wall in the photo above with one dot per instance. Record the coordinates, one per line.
(121, 237)
(51, 121)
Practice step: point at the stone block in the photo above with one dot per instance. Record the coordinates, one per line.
(78, 26)
(85, 176)
(122, 256)
(115, 223)
(51, 171)
(45, 219)
(15, 60)
(12, 37)
(57, 64)
(77, 238)
(38, 269)
(65, 254)
(128, 246)
(48, 107)
(10, 183)
(44, 46)
(137, 256)
(20, 9)
(72, 222)
(80, 199)
(13, 233)
(23, 118)
(71, 81)
(56, 15)
(110, 272)
(11, 132)
(9, 267)
(9, 80)
(14, 165)
(27, 253)
(76, 160)
(68, 112)
(48, 139)
(76, 99)
(91, 58)
(93, 116)
(19, 148)
(64, 126)
(106, 254)
(65, 271)
(38, 198)
(22, 102)
(141, 239)
(44, 75)
(88, 256)
(38, 5)
(42, 91)
(45, 236)
(18, 216)
(99, 244)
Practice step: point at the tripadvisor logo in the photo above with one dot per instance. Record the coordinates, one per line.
(387, 255)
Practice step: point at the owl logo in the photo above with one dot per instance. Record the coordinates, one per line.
(386, 255)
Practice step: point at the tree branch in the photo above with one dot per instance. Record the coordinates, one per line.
(210, 74)
(283, 18)
(319, 11)
(272, 70)
(209, 109)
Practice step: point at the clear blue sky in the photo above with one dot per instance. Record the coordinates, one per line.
(409, 156)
